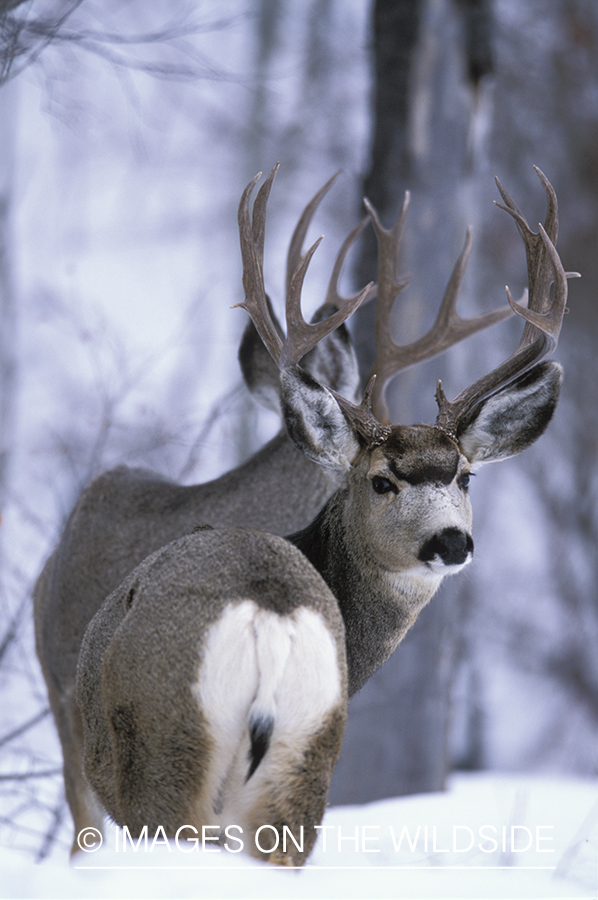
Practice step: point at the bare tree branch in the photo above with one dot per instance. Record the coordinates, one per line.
(7, 5)
(28, 776)
(12, 628)
(17, 732)
(23, 39)
(52, 832)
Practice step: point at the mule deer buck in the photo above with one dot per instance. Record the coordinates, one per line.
(126, 514)
(212, 683)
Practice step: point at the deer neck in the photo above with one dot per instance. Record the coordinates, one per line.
(378, 606)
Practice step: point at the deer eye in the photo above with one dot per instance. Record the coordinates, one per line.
(383, 485)
(463, 480)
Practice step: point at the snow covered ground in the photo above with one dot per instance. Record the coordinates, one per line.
(489, 836)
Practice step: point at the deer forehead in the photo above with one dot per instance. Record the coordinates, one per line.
(419, 454)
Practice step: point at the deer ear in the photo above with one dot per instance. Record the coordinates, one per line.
(259, 370)
(512, 419)
(315, 422)
(332, 361)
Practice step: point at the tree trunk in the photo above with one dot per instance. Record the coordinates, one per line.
(398, 724)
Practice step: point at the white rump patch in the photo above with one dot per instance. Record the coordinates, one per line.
(260, 664)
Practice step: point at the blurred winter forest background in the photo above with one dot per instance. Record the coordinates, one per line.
(128, 131)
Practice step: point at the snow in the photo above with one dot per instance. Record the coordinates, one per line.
(488, 836)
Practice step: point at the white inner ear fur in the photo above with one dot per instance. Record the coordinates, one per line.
(480, 443)
(513, 419)
(315, 421)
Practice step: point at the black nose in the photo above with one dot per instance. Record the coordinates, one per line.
(451, 545)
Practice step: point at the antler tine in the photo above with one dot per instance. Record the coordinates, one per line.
(301, 336)
(363, 418)
(389, 283)
(296, 244)
(251, 235)
(258, 223)
(295, 247)
(448, 329)
(539, 263)
(389, 287)
(543, 316)
(333, 295)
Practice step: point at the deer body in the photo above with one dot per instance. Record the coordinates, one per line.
(243, 667)
(126, 514)
(122, 517)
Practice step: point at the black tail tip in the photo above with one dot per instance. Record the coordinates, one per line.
(260, 732)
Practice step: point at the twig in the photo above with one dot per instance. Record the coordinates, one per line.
(24, 727)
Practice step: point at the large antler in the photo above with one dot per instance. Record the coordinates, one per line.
(543, 315)
(301, 336)
(448, 329)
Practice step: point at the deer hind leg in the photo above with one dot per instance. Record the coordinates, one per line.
(289, 792)
(277, 720)
(85, 809)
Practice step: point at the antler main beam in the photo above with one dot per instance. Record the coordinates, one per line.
(251, 235)
(543, 316)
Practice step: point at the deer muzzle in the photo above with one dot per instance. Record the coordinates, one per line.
(450, 546)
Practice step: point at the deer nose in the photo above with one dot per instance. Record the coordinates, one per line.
(452, 546)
